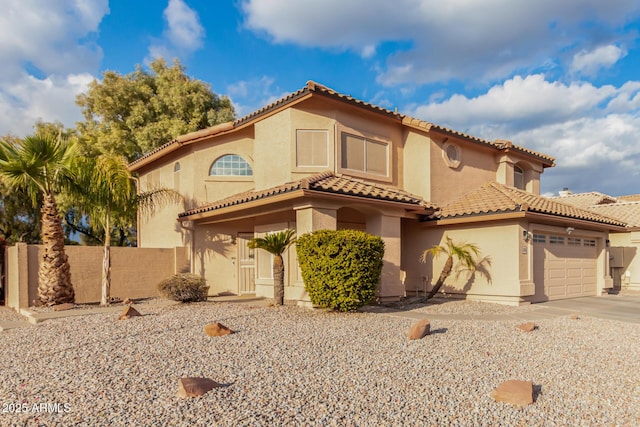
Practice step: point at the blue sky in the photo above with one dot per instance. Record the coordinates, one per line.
(561, 77)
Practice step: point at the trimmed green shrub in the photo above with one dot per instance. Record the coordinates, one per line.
(184, 287)
(340, 268)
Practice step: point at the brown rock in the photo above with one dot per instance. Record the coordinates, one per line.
(217, 330)
(420, 329)
(527, 327)
(194, 387)
(128, 312)
(515, 392)
(128, 301)
(63, 307)
(575, 317)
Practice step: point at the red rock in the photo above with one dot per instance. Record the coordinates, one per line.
(194, 387)
(515, 392)
(63, 307)
(527, 327)
(420, 329)
(217, 330)
(128, 312)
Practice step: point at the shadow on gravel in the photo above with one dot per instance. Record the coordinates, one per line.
(537, 391)
(438, 331)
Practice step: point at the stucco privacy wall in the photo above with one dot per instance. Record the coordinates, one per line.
(135, 272)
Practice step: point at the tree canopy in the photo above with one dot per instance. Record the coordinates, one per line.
(132, 114)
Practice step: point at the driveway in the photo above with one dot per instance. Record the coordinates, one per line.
(624, 307)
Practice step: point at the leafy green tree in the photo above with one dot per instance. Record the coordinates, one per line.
(276, 244)
(466, 254)
(135, 113)
(19, 219)
(41, 165)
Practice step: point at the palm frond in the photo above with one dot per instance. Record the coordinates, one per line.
(274, 243)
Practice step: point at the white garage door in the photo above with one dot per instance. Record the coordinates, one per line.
(564, 267)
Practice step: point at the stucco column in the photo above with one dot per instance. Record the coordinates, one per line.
(312, 218)
(391, 287)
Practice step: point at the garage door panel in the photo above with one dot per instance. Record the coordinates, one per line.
(563, 270)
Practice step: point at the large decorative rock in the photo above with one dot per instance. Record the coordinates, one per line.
(515, 392)
(527, 327)
(217, 330)
(420, 329)
(128, 313)
(195, 387)
(63, 307)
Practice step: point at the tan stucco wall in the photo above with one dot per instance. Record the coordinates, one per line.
(498, 242)
(135, 272)
(627, 247)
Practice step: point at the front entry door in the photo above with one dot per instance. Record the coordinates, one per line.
(246, 265)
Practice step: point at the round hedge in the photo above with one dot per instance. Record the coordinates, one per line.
(340, 268)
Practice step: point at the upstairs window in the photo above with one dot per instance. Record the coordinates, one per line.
(518, 177)
(312, 148)
(230, 165)
(364, 155)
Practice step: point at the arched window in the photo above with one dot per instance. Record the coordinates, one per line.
(176, 167)
(518, 178)
(230, 165)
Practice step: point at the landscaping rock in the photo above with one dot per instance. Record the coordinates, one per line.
(527, 327)
(515, 392)
(420, 329)
(575, 317)
(128, 301)
(194, 387)
(63, 307)
(217, 330)
(128, 313)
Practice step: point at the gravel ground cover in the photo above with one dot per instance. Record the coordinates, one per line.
(9, 315)
(293, 366)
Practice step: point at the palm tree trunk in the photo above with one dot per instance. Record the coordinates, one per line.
(106, 260)
(278, 279)
(54, 273)
(446, 271)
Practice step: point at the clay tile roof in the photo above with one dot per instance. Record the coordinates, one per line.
(326, 182)
(585, 200)
(628, 212)
(629, 198)
(494, 198)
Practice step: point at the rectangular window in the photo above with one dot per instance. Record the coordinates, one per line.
(364, 155)
(571, 241)
(588, 242)
(312, 148)
(556, 240)
(539, 238)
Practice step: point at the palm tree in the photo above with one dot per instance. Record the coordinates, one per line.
(466, 254)
(105, 194)
(41, 164)
(276, 244)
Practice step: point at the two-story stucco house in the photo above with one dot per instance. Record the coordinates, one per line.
(319, 159)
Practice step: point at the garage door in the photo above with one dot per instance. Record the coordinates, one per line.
(564, 267)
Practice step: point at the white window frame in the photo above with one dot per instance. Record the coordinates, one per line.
(387, 145)
(326, 162)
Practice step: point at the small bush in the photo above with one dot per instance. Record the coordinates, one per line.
(340, 269)
(184, 287)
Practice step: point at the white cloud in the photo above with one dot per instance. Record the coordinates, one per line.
(48, 56)
(248, 96)
(29, 99)
(590, 63)
(457, 39)
(592, 131)
(183, 33)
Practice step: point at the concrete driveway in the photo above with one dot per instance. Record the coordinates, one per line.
(624, 307)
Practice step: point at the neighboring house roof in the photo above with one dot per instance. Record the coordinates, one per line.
(585, 200)
(326, 182)
(495, 198)
(304, 93)
(629, 198)
(628, 212)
